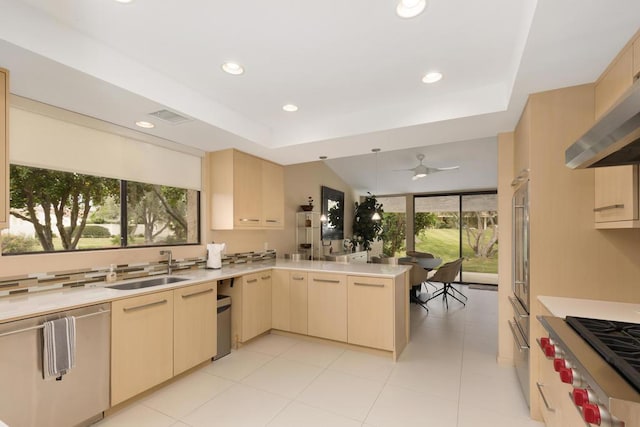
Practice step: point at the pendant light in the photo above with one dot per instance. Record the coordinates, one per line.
(376, 216)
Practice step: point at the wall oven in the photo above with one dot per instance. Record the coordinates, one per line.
(519, 325)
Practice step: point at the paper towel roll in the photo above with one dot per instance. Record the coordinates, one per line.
(214, 255)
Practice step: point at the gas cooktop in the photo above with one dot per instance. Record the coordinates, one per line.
(617, 342)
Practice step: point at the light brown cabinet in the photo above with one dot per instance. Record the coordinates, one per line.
(246, 192)
(251, 305)
(614, 82)
(141, 344)
(370, 311)
(327, 306)
(616, 197)
(522, 142)
(636, 59)
(194, 326)
(289, 301)
(4, 148)
(272, 195)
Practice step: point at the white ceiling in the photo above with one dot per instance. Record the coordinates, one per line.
(353, 67)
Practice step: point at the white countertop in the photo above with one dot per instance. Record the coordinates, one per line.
(607, 310)
(37, 303)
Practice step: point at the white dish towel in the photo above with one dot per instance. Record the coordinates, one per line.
(59, 347)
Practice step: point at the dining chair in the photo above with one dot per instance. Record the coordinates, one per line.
(417, 276)
(446, 275)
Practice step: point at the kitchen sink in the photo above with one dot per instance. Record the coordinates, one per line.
(147, 283)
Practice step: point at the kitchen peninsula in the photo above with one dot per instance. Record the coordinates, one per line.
(361, 305)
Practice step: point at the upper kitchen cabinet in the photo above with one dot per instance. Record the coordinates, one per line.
(522, 138)
(272, 195)
(636, 59)
(246, 192)
(4, 148)
(616, 79)
(616, 197)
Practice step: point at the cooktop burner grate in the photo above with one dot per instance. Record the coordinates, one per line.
(617, 342)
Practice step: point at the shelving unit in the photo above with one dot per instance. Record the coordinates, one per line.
(308, 234)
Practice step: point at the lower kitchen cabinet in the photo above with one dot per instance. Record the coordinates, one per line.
(370, 312)
(194, 326)
(141, 344)
(327, 306)
(251, 305)
(289, 301)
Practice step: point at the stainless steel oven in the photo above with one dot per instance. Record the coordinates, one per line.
(519, 325)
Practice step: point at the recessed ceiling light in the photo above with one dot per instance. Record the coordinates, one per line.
(410, 8)
(124, 1)
(233, 68)
(432, 77)
(146, 125)
(290, 108)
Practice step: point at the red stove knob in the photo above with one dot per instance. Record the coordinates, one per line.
(581, 396)
(591, 413)
(559, 364)
(566, 375)
(544, 341)
(550, 350)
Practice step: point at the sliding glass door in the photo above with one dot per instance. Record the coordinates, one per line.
(460, 225)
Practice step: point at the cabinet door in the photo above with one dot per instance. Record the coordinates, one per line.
(4, 148)
(280, 300)
(548, 389)
(616, 194)
(247, 190)
(272, 195)
(327, 306)
(612, 84)
(251, 311)
(298, 281)
(636, 59)
(264, 320)
(195, 325)
(370, 308)
(141, 344)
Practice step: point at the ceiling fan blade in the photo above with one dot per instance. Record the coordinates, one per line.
(403, 170)
(449, 168)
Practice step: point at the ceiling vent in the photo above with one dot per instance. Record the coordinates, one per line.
(170, 117)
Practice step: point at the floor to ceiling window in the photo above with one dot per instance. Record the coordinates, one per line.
(460, 225)
(394, 226)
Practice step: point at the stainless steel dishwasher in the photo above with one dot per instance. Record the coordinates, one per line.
(80, 397)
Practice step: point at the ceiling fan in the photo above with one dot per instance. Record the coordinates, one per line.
(421, 170)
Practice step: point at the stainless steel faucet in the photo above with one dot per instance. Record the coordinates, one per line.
(169, 260)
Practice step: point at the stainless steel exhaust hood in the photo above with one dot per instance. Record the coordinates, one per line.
(614, 139)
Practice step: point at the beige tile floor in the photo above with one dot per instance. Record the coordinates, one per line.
(446, 377)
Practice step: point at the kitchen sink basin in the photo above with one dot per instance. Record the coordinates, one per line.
(146, 283)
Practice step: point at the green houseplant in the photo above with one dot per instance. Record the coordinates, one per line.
(365, 228)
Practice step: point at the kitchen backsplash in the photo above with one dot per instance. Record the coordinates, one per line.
(38, 282)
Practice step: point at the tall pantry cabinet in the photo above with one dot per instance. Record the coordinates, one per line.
(4, 148)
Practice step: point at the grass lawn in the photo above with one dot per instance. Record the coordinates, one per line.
(89, 243)
(443, 243)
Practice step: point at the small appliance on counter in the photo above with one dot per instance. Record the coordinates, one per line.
(214, 255)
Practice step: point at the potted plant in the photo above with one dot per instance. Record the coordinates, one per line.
(365, 228)
(309, 206)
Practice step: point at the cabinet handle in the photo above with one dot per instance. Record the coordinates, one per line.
(206, 291)
(273, 220)
(265, 277)
(376, 285)
(517, 308)
(544, 399)
(326, 281)
(522, 345)
(139, 307)
(252, 280)
(606, 208)
(298, 277)
(249, 220)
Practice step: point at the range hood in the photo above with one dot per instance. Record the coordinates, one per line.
(614, 139)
